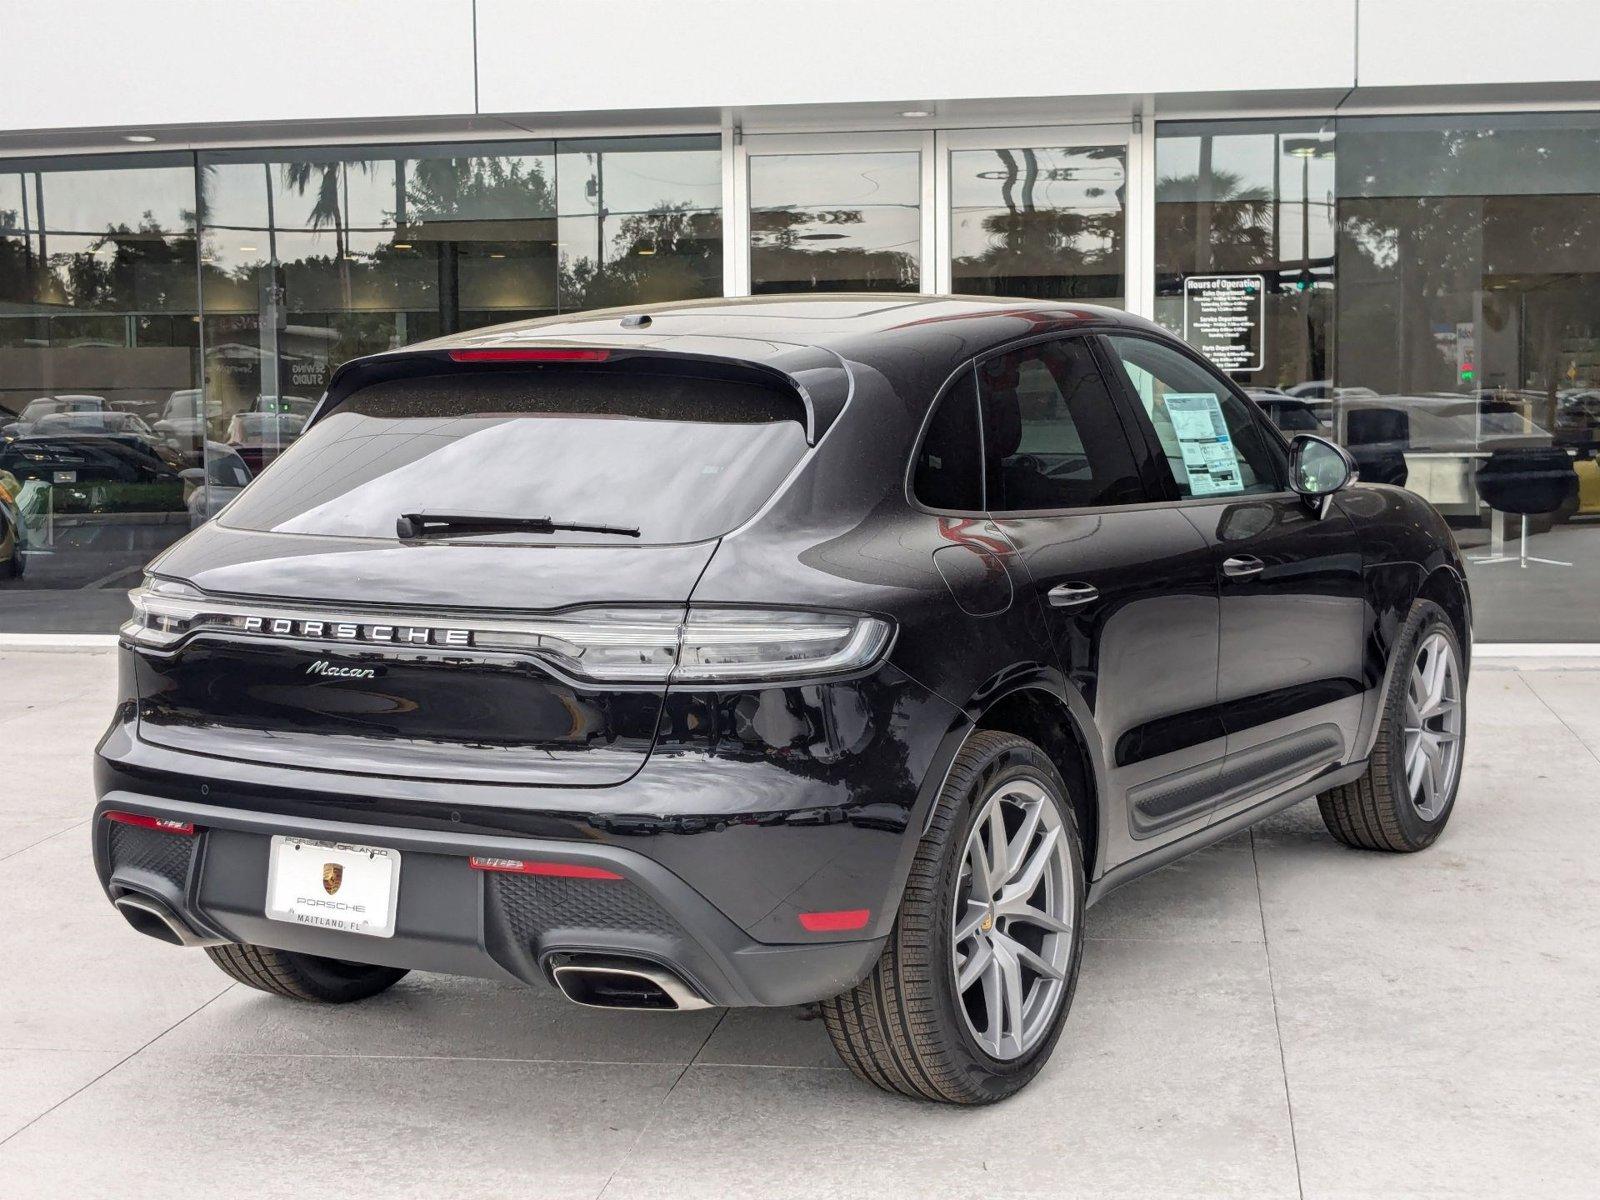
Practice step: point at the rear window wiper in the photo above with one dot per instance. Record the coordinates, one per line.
(411, 526)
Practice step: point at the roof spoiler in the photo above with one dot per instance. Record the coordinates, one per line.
(818, 377)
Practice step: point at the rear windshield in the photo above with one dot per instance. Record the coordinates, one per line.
(678, 458)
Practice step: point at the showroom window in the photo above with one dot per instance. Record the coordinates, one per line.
(1426, 290)
(167, 322)
(836, 221)
(1042, 222)
(1244, 246)
(98, 329)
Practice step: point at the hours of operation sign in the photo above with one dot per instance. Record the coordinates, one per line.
(1224, 318)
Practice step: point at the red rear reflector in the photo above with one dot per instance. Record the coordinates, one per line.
(517, 866)
(832, 922)
(143, 822)
(529, 355)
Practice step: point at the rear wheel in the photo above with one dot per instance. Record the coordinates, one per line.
(1405, 797)
(303, 976)
(970, 994)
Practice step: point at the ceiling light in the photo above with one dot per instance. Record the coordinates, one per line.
(137, 137)
(247, 249)
(402, 245)
(916, 112)
(496, 254)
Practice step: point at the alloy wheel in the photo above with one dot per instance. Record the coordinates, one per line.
(1012, 925)
(1433, 726)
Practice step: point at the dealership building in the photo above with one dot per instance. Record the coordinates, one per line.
(1381, 217)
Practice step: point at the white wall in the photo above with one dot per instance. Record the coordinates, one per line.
(86, 63)
(555, 55)
(1410, 42)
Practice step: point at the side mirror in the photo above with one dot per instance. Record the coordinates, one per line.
(1318, 468)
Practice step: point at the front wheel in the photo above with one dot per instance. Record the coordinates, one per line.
(970, 994)
(1405, 797)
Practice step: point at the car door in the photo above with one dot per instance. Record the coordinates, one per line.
(1124, 581)
(1292, 609)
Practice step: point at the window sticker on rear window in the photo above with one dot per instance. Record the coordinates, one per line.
(1208, 452)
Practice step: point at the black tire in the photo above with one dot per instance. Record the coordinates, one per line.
(1375, 811)
(900, 1029)
(303, 976)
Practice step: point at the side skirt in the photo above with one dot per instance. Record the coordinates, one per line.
(1127, 872)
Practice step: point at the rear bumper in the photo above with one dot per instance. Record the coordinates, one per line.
(456, 920)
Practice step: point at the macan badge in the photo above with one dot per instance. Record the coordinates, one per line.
(332, 877)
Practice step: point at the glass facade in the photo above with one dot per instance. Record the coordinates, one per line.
(167, 323)
(1424, 289)
(99, 327)
(848, 221)
(1048, 223)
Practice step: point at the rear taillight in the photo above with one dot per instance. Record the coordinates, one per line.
(164, 610)
(558, 870)
(611, 644)
(164, 824)
(702, 645)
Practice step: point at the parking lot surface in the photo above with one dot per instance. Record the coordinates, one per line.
(1277, 1016)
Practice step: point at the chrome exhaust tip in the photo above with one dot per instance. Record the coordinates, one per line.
(153, 918)
(624, 983)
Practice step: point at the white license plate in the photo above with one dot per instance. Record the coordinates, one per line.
(333, 885)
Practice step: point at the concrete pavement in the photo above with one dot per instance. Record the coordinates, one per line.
(1276, 1017)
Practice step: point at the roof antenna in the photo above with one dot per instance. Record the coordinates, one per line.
(636, 321)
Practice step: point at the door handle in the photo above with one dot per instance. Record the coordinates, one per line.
(1243, 566)
(1072, 595)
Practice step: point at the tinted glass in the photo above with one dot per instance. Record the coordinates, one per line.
(842, 222)
(1212, 443)
(680, 459)
(1052, 438)
(312, 257)
(98, 328)
(1249, 205)
(1044, 222)
(949, 470)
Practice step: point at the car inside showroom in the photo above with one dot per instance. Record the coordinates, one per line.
(687, 597)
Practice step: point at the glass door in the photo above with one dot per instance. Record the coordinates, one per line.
(837, 213)
(1044, 213)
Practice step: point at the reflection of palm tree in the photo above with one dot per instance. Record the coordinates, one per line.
(1237, 221)
(671, 252)
(1058, 251)
(329, 206)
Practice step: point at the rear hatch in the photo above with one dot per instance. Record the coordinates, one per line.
(359, 609)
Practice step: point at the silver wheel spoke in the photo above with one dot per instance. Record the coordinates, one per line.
(997, 850)
(1433, 726)
(970, 923)
(1011, 991)
(1014, 918)
(1017, 847)
(993, 990)
(1026, 881)
(1026, 914)
(975, 966)
(1027, 957)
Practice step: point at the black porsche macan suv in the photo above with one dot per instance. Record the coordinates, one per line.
(837, 649)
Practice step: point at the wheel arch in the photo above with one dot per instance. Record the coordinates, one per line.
(1043, 716)
(1447, 589)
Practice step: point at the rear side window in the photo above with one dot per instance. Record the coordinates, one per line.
(1052, 438)
(949, 470)
(680, 459)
